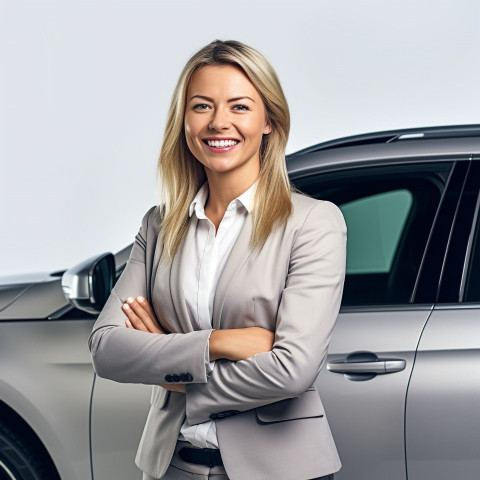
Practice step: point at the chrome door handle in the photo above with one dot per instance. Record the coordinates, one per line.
(380, 366)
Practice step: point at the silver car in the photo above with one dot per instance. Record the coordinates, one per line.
(402, 381)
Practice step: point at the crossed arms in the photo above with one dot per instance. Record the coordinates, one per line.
(255, 367)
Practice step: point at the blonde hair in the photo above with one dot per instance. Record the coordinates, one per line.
(181, 175)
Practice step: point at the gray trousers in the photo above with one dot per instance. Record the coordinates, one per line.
(181, 470)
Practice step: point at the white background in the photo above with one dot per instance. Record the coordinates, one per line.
(85, 86)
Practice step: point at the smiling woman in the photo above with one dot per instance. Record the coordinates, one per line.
(232, 289)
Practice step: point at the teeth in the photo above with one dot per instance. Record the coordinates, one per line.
(221, 143)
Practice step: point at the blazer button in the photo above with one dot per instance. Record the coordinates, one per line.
(227, 413)
(183, 377)
(176, 378)
(168, 378)
(213, 416)
(189, 377)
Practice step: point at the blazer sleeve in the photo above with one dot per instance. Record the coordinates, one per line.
(306, 316)
(132, 356)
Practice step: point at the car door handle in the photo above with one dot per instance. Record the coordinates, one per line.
(380, 366)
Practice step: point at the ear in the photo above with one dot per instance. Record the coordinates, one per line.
(267, 128)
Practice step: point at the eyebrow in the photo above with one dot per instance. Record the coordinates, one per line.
(235, 99)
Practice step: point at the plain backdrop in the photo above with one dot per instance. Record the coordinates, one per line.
(85, 86)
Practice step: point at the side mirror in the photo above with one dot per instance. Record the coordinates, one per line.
(88, 284)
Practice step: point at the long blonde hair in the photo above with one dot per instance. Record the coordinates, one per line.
(181, 175)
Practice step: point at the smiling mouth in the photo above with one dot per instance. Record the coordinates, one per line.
(221, 143)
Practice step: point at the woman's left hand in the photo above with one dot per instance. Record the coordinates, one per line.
(140, 316)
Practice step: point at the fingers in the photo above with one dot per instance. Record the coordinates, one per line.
(147, 307)
(133, 320)
(140, 315)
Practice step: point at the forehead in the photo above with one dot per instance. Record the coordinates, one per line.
(219, 80)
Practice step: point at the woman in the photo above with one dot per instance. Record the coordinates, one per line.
(231, 291)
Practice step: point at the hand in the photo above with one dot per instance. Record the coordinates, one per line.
(240, 343)
(175, 387)
(140, 316)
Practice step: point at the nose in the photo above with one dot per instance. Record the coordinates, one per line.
(220, 120)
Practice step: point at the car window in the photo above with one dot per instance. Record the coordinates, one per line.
(376, 223)
(389, 212)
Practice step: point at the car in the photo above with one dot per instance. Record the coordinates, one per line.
(401, 385)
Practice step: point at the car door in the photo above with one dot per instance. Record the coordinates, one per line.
(398, 218)
(443, 403)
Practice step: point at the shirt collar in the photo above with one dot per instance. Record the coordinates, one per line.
(246, 199)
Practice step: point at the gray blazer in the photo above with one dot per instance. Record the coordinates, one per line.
(271, 423)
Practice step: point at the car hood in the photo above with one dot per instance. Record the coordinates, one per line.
(31, 296)
(40, 295)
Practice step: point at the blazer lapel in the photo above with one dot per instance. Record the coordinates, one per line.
(238, 256)
(177, 273)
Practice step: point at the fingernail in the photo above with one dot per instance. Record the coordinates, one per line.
(129, 299)
(129, 324)
(140, 299)
(125, 306)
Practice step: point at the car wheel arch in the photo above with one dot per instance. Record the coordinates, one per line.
(22, 430)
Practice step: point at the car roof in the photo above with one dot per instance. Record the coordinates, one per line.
(388, 147)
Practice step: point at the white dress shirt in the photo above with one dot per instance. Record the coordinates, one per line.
(206, 258)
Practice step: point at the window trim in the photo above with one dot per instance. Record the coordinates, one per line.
(394, 307)
(432, 247)
(456, 265)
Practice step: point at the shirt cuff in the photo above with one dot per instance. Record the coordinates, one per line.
(208, 364)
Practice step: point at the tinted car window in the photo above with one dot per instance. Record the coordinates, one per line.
(376, 224)
(389, 213)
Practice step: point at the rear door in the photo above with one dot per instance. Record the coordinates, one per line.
(398, 218)
(443, 404)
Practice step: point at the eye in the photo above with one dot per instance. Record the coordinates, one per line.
(240, 108)
(201, 106)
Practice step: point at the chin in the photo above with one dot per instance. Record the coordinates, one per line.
(223, 167)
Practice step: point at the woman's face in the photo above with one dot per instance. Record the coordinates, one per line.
(225, 120)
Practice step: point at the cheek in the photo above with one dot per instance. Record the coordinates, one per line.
(255, 130)
(191, 124)
(188, 127)
(190, 133)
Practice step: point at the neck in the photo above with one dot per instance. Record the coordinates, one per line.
(224, 188)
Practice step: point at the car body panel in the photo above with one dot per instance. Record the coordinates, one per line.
(46, 377)
(403, 152)
(367, 417)
(119, 412)
(443, 407)
(34, 297)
